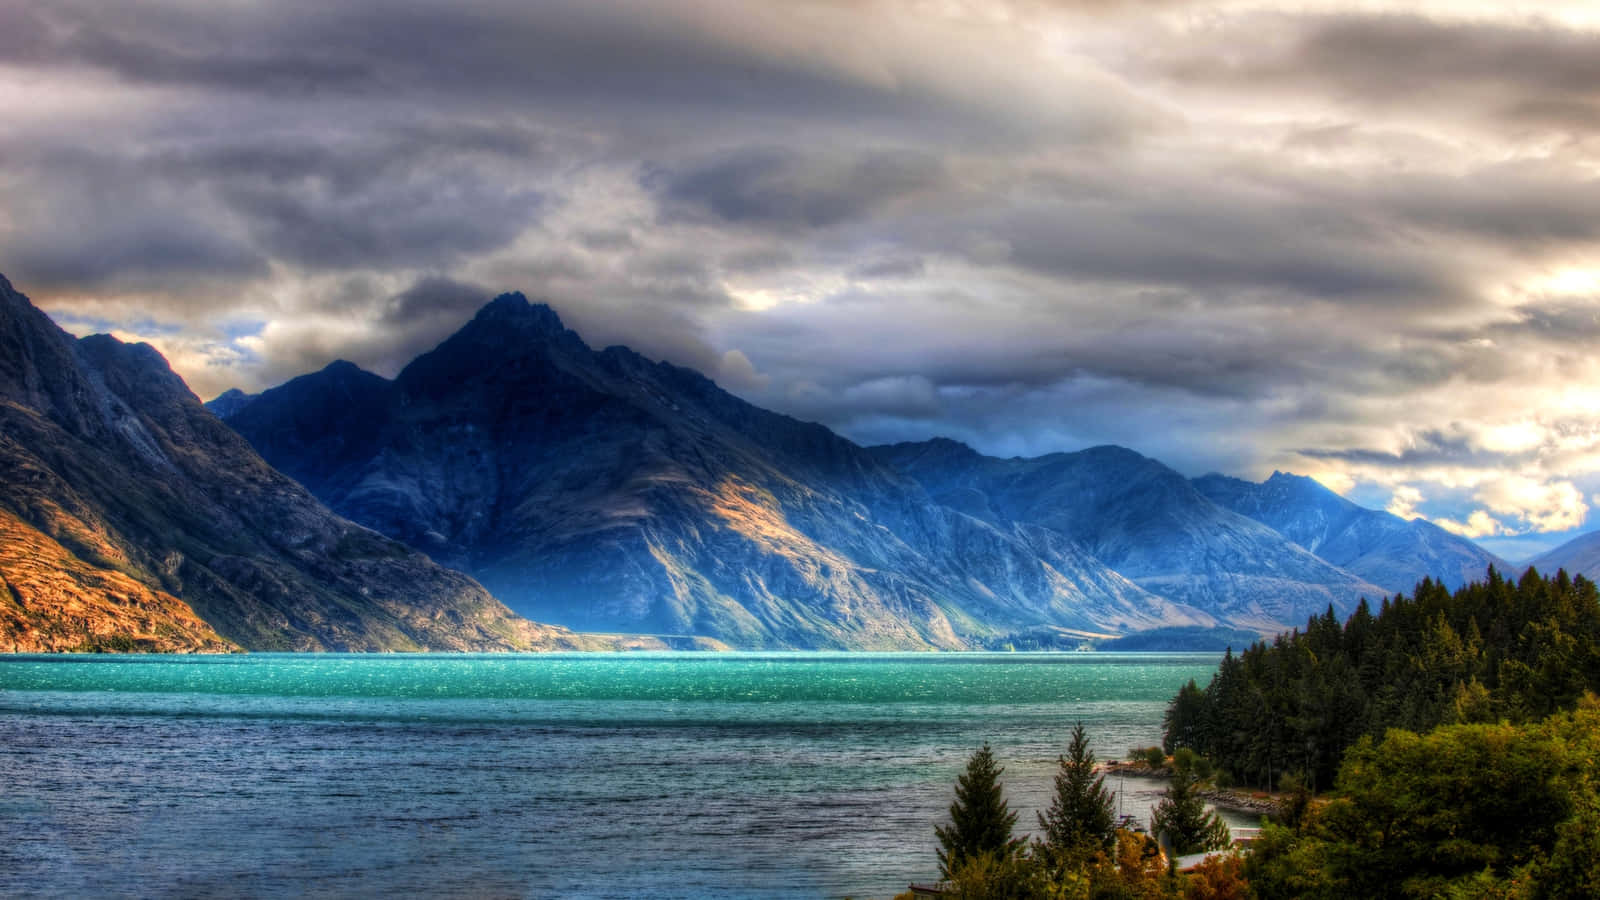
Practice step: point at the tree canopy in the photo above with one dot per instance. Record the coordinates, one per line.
(1495, 650)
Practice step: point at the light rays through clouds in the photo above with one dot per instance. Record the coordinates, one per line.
(1358, 243)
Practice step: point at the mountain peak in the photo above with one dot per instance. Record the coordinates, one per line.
(515, 308)
(945, 451)
(1304, 484)
(229, 402)
(1113, 451)
(341, 367)
(1377, 546)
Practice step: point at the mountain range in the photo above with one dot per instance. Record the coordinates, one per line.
(1379, 547)
(603, 491)
(514, 473)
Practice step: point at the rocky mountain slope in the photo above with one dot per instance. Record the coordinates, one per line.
(1144, 520)
(1377, 546)
(131, 518)
(603, 491)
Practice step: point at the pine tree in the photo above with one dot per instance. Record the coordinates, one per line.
(1079, 820)
(1183, 818)
(980, 819)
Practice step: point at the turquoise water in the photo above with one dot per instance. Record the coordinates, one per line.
(661, 775)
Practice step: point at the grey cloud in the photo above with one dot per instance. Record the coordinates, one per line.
(1212, 357)
(1226, 235)
(434, 297)
(1525, 205)
(81, 218)
(349, 159)
(1566, 320)
(660, 58)
(227, 207)
(786, 189)
(1429, 447)
(99, 251)
(426, 222)
(160, 43)
(903, 396)
(1385, 57)
(760, 259)
(1513, 72)
(398, 326)
(894, 266)
(606, 239)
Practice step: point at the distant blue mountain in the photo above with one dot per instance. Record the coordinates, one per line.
(1579, 556)
(1144, 520)
(1377, 546)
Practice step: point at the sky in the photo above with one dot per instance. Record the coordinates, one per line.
(1353, 240)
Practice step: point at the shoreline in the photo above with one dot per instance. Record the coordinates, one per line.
(1232, 799)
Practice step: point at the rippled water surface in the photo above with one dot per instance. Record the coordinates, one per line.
(660, 775)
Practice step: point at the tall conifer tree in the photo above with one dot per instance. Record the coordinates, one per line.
(980, 819)
(1183, 818)
(1079, 821)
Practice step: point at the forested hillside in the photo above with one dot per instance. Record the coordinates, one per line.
(1495, 650)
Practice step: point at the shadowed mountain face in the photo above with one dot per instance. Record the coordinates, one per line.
(133, 519)
(606, 492)
(1378, 546)
(1144, 520)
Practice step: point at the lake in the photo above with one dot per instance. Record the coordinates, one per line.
(545, 775)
